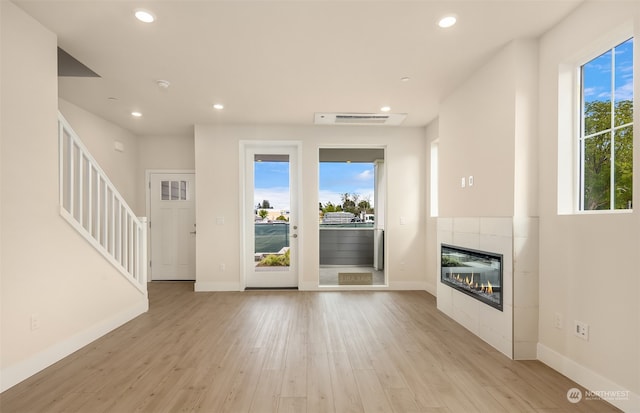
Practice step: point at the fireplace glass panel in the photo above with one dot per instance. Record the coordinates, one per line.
(475, 273)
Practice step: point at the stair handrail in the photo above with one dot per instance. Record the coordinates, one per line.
(91, 203)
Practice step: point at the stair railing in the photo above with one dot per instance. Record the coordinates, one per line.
(95, 208)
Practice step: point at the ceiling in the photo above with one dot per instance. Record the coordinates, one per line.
(278, 62)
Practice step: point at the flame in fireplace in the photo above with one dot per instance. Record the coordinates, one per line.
(487, 289)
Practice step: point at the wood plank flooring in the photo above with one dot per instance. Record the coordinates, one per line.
(290, 351)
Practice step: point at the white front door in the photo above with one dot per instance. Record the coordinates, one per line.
(270, 214)
(172, 226)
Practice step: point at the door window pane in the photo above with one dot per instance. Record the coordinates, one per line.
(174, 190)
(165, 190)
(272, 200)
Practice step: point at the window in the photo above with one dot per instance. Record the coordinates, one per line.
(174, 190)
(434, 178)
(606, 130)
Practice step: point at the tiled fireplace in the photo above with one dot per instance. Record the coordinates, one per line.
(501, 251)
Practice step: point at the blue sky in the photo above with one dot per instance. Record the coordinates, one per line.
(597, 75)
(337, 178)
(272, 182)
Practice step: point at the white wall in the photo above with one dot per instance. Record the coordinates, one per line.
(217, 169)
(163, 153)
(477, 125)
(588, 263)
(100, 136)
(166, 152)
(1, 168)
(48, 270)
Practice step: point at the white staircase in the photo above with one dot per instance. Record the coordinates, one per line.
(93, 206)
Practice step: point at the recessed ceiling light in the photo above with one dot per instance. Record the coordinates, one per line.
(218, 106)
(145, 16)
(447, 21)
(385, 109)
(136, 114)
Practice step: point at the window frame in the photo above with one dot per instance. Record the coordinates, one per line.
(611, 130)
(567, 114)
(433, 177)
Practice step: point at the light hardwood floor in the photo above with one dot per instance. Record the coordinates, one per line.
(290, 351)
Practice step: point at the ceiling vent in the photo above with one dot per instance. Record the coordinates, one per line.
(359, 118)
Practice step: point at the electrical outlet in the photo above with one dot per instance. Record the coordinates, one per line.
(581, 329)
(470, 180)
(557, 321)
(35, 322)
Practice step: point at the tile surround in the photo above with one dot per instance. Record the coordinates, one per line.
(513, 331)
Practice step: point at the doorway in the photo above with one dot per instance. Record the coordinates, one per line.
(172, 226)
(352, 216)
(270, 215)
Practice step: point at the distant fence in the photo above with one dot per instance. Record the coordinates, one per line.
(271, 238)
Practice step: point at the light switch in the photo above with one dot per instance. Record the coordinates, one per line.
(462, 182)
(470, 180)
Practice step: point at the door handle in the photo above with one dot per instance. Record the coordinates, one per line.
(193, 232)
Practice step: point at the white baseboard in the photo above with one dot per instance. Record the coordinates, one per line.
(431, 289)
(408, 285)
(216, 286)
(591, 380)
(312, 286)
(396, 286)
(12, 375)
(307, 285)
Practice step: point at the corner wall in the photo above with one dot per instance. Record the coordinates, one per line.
(588, 262)
(432, 133)
(48, 271)
(217, 171)
(487, 129)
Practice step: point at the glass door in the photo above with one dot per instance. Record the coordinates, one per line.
(270, 214)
